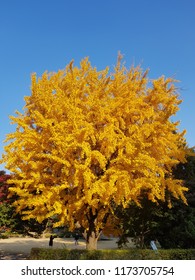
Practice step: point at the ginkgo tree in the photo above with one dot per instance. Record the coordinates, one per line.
(90, 140)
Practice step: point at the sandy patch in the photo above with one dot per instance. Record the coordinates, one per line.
(24, 245)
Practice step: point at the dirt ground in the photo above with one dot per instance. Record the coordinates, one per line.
(19, 248)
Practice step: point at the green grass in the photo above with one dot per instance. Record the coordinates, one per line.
(118, 254)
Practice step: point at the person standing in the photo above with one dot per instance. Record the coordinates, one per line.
(76, 238)
(51, 240)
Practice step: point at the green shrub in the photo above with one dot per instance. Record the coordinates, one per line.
(120, 254)
(2, 236)
(178, 254)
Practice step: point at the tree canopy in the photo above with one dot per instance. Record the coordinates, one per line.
(89, 140)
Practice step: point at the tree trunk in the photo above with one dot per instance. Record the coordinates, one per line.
(91, 241)
(92, 234)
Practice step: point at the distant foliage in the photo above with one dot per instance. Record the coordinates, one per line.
(4, 187)
(6, 210)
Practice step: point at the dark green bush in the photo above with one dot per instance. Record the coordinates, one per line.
(178, 254)
(120, 254)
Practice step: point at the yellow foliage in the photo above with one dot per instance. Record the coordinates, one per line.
(89, 139)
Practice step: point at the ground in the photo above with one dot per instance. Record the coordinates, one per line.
(19, 248)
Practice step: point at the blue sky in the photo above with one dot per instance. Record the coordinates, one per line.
(40, 35)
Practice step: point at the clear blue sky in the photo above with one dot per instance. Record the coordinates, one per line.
(39, 35)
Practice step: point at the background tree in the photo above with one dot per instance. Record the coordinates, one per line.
(139, 223)
(179, 222)
(10, 221)
(173, 227)
(6, 210)
(89, 140)
(3, 186)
